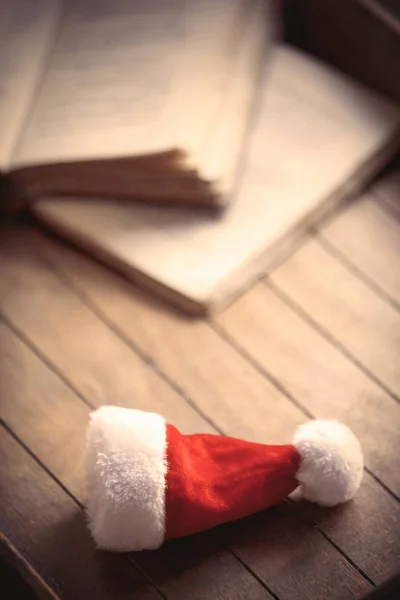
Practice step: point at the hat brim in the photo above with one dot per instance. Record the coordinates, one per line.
(126, 479)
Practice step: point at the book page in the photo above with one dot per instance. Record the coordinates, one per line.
(222, 151)
(317, 137)
(114, 85)
(27, 31)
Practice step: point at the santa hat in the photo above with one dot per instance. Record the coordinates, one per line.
(147, 482)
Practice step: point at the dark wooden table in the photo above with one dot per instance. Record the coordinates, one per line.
(319, 337)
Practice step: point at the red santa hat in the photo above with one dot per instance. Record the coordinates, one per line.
(147, 482)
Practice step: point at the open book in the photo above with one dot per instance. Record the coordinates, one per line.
(142, 99)
(317, 138)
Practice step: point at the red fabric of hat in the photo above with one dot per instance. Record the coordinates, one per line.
(148, 482)
(212, 480)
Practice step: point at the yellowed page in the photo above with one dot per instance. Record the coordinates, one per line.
(114, 87)
(27, 32)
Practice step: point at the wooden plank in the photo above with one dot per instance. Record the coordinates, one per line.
(105, 370)
(368, 527)
(166, 566)
(68, 333)
(354, 316)
(228, 389)
(33, 420)
(44, 526)
(368, 238)
(57, 437)
(390, 590)
(209, 551)
(322, 380)
(179, 560)
(317, 375)
(290, 556)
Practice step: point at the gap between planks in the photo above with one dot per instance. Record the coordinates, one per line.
(147, 561)
(151, 361)
(78, 503)
(224, 334)
(48, 586)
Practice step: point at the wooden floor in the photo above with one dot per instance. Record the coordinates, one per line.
(320, 337)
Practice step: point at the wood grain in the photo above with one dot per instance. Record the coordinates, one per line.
(93, 359)
(33, 410)
(201, 566)
(368, 528)
(290, 556)
(200, 563)
(317, 375)
(57, 437)
(287, 550)
(346, 307)
(235, 395)
(44, 525)
(328, 385)
(216, 379)
(368, 238)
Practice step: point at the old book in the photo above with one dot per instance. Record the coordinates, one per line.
(144, 99)
(318, 137)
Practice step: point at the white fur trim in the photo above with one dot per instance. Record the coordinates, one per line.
(332, 463)
(126, 479)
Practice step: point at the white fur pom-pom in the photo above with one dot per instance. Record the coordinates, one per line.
(331, 466)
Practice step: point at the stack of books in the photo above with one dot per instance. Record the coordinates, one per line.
(181, 142)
